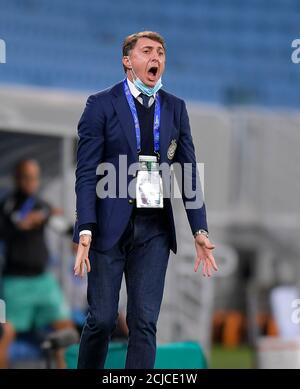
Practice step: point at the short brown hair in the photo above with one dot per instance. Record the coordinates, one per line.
(130, 41)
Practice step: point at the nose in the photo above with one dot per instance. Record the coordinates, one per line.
(155, 56)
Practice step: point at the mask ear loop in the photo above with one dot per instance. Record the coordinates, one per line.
(134, 76)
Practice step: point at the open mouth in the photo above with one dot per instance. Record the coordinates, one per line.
(153, 71)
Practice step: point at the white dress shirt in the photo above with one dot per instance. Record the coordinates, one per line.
(136, 93)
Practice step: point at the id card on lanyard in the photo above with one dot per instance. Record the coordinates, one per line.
(149, 188)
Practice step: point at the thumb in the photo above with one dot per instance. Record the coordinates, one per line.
(210, 246)
(85, 241)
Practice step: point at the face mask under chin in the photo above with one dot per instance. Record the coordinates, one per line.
(147, 90)
(143, 88)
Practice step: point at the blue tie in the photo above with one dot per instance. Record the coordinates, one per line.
(145, 100)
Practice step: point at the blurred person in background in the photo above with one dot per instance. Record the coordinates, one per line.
(32, 295)
(116, 236)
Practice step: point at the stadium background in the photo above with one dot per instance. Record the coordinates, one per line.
(231, 61)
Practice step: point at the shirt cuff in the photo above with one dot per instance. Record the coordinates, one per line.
(85, 232)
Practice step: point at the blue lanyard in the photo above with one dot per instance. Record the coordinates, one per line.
(156, 124)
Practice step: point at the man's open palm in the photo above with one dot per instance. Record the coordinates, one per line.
(204, 255)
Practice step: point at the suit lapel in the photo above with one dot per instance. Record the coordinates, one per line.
(125, 118)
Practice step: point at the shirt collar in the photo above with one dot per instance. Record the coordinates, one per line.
(133, 89)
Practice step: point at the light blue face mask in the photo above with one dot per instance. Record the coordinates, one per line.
(145, 89)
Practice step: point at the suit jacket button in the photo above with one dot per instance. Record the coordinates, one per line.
(130, 201)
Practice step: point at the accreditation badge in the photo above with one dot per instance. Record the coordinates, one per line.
(149, 188)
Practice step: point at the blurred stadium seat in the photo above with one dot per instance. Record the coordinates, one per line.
(215, 47)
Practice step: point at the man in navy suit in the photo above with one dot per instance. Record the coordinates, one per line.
(116, 234)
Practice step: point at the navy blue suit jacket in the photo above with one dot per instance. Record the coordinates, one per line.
(106, 130)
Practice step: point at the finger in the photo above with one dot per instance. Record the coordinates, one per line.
(79, 268)
(76, 269)
(82, 269)
(213, 262)
(77, 264)
(197, 263)
(209, 246)
(208, 270)
(88, 265)
(204, 269)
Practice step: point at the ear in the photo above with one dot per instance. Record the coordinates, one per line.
(126, 62)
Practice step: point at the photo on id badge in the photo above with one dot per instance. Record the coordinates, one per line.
(149, 189)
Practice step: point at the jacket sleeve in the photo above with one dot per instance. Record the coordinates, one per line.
(89, 155)
(191, 192)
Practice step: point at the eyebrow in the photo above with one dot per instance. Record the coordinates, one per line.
(152, 47)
